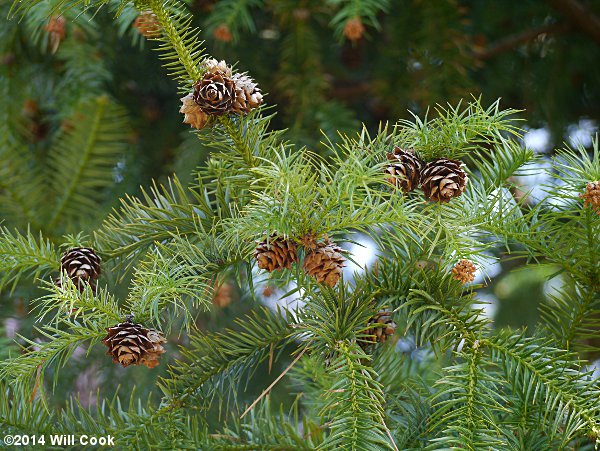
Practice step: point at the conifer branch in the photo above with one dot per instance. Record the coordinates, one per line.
(354, 403)
(235, 15)
(24, 255)
(513, 41)
(550, 380)
(367, 10)
(268, 389)
(215, 361)
(162, 213)
(57, 349)
(82, 161)
(458, 130)
(20, 417)
(580, 15)
(180, 43)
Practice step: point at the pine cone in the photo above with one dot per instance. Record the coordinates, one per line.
(222, 295)
(443, 179)
(464, 271)
(405, 169)
(57, 31)
(591, 197)
(215, 92)
(381, 327)
(152, 356)
(147, 24)
(325, 263)
(79, 283)
(354, 29)
(193, 114)
(268, 291)
(130, 343)
(247, 94)
(223, 33)
(275, 253)
(81, 265)
(214, 65)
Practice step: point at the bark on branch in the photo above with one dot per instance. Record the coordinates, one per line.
(579, 15)
(510, 42)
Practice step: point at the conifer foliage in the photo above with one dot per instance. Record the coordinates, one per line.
(398, 356)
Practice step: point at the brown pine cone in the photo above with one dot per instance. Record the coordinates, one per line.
(404, 168)
(79, 283)
(268, 291)
(443, 179)
(354, 29)
(222, 294)
(147, 24)
(57, 31)
(381, 327)
(247, 94)
(275, 253)
(193, 114)
(591, 197)
(81, 265)
(214, 65)
(325, 263)
(130, 343)
(152, 356)
(464, 271)
(215, 92)
(223, 33)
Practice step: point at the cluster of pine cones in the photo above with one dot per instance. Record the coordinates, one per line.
(324, 260)
(591, 196)
(127, 343)
(441, 179)
(217, 93)
(132, 344)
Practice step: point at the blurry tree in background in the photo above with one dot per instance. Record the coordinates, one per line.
(88, 115)
(403, 55)
(409, 55)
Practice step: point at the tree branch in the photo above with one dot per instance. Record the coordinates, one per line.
(510, 42)
(579, 15)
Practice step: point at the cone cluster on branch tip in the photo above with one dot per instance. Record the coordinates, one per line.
(325, 263)
(219, 88)
(133, 344)
(464, 271)
(441, 179)
(275, 253)
(57, 31)
(147, 24)
(82, 266)
(381, 327)
(323, 260)
(219, 92)
(354, 29)
(404, 169)
(591, 196)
